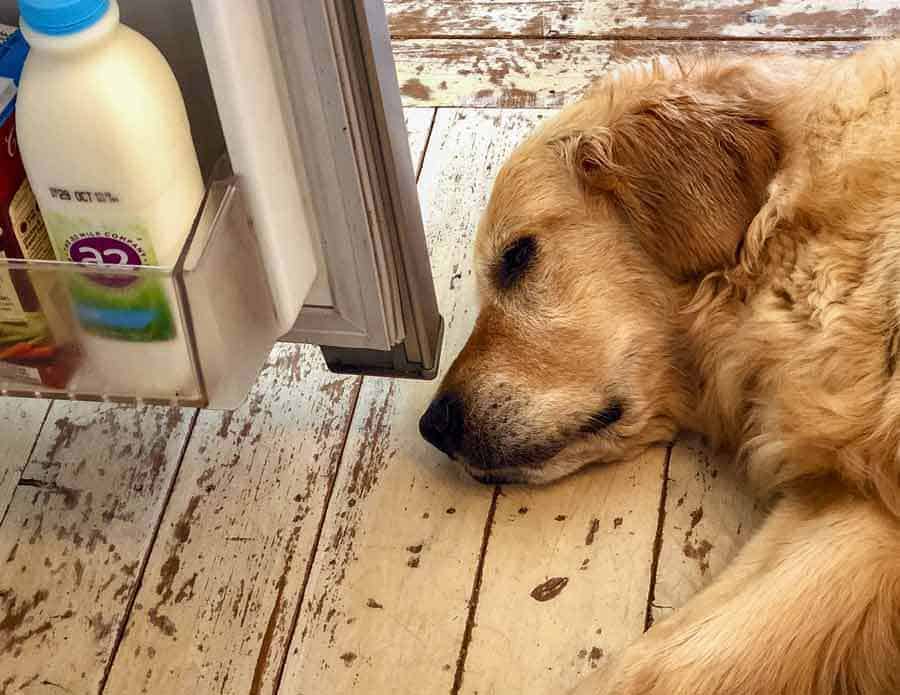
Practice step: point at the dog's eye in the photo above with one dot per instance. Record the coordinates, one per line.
(603, 418)
(517, 258)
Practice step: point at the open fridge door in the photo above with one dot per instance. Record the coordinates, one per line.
(310, 230)
(310, 106)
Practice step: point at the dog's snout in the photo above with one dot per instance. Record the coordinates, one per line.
(496, 479)
(442, 423)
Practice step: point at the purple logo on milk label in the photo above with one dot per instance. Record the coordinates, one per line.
(104, 250)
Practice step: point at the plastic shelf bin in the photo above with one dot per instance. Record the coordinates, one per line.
(199, 336)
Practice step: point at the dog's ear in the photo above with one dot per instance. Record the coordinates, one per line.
(688, 168)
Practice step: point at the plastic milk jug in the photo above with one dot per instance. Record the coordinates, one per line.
(107, 147)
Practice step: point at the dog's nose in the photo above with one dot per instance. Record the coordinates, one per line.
(442, 423)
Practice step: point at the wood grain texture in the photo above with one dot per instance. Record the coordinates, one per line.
(20, 423)
(566, 578)
(419, 122)
(521, 73)
(75, 538)
(218, 602)
(709, 514)
(215, 610)
(796, 19)
(387, 602)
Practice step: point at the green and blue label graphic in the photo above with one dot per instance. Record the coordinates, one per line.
(120, 306)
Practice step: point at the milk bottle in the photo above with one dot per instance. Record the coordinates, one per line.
(107, 147)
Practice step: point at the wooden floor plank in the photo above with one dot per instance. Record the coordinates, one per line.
(386, 606)
(566, 578)
(419, 122)
(75, 538)
(216, 608)
(796, 19)
(426, 18)
(20, 423)
(519, 73)
(709, 514)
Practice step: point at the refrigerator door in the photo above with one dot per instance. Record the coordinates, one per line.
(304, 98)
(310, 107)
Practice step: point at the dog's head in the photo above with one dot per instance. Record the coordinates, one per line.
(598, 229)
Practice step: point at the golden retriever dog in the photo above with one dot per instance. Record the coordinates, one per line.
(712, 245)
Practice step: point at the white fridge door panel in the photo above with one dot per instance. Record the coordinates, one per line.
(309, 89)
(248, 82)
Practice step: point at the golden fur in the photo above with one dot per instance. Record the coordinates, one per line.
(716, 247)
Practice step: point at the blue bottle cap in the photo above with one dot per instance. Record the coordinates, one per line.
(61, 17)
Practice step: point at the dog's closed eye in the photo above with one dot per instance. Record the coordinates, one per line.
(602, 419)
(516, 260)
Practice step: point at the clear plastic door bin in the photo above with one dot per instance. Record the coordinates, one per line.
(210, 324)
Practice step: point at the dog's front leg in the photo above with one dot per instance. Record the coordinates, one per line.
(811, 606)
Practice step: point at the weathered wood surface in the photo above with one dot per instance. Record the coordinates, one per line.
(709, 514)
(419, 122)
(20, 422)
(566, 578)
(522, 73)
(75, 540)
(220, 594)
(215, 609)
(387, 603)
(798, 19)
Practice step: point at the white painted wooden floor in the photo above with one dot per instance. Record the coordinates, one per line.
(310, 543)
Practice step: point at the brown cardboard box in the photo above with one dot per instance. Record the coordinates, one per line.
(30, 356)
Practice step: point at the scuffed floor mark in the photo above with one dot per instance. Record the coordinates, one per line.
(550, 589)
